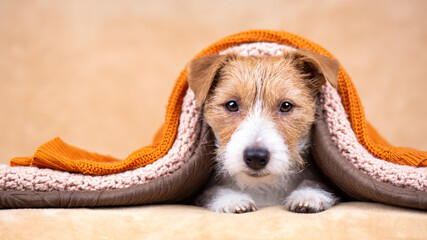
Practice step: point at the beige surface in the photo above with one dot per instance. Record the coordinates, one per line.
(98, 73)
(344, 221)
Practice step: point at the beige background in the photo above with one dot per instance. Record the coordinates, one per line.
(98, 73)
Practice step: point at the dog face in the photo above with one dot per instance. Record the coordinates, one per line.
(260, 109)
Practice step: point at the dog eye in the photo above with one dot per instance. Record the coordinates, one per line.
(286, 107)
(232, 106)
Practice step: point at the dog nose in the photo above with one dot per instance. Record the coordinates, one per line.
(256, 158)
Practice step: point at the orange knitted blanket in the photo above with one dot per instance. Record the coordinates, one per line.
(56, 154)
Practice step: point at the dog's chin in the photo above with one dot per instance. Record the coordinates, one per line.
(254, 179)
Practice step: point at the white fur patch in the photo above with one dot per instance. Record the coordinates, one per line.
(225, 200)
(309, 199)
(256, 131)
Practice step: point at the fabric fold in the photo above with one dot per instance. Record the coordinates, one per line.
(56, 155)
(348, 150)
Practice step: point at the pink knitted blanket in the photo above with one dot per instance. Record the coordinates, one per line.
(32, 178)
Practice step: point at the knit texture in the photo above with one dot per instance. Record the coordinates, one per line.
(35, 179)
(44, 180)
(346, 140)
(57, 155)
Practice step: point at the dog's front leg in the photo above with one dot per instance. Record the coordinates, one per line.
(309, 197)
(226, 200)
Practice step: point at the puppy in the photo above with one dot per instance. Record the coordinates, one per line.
(261, 110)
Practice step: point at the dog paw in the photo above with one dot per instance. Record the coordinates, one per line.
(309, 200)
(238, 207)
(229, 201)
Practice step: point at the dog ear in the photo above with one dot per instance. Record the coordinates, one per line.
(201, 73)
(317, 68)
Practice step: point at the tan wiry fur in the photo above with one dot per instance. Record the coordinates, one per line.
(279, 80)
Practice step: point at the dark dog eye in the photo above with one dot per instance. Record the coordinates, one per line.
(286, 107)
(232, 106)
